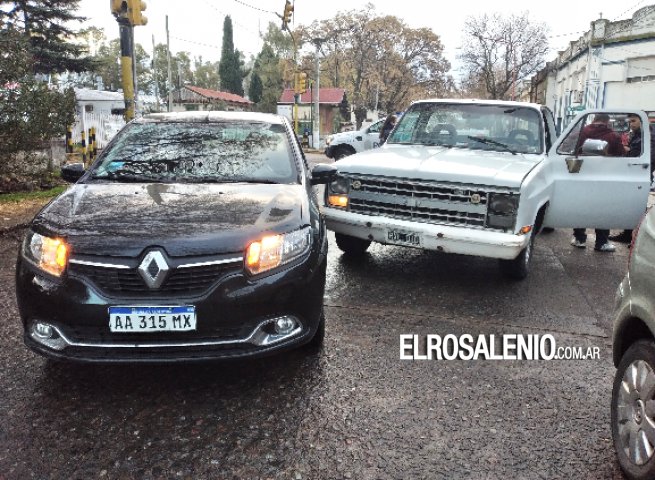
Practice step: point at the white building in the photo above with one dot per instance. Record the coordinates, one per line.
(610, 66)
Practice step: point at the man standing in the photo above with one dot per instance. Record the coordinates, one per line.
(633, 149)
(599, 129)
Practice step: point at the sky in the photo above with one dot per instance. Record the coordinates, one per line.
(196, 25)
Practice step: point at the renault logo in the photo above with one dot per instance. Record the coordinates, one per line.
(154, 269)
(356, 185)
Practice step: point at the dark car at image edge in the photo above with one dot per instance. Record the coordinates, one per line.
(193, 236)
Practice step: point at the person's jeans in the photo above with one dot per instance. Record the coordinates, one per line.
(580, 235)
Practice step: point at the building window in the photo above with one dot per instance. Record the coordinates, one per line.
(88, 108)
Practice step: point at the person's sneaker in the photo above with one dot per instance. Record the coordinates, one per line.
(606, 247)
(622, 237)
(577, 243)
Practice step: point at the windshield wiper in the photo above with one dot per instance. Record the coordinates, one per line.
(488, 141)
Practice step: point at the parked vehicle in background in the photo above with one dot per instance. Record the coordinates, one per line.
(340, 145)
(633, 393)
(193, 236)
(482, 177)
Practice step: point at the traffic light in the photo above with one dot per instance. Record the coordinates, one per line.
(300, 82)
(119, 8)
(135, 10)
(286, 16)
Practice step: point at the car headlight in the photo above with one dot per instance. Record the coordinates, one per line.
(275, 250)
(48, 254)
(328, 140)
(501, 210)
(337, 193)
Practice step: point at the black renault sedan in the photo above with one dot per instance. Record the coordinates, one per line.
(193, 236)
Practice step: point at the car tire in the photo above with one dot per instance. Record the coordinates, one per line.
(519, 267)
(632, 408)
(341, 153)
(351, 245)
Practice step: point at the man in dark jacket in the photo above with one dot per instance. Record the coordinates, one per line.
(633, 149)
(599, 129)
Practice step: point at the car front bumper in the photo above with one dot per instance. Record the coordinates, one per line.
(235, 317)
(442, 238)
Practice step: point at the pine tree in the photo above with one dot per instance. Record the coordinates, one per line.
(256, 87)
(45, 24)
(230, 67)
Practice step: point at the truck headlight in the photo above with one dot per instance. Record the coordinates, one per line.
(48, 254)
(337, 193)
(275, 250)
(501, 210)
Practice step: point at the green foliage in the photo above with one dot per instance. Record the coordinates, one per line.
(231, 67)
(206, 74)
(45, 25)
(268, 67)
(255, 89)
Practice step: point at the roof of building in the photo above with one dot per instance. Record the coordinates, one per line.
(88, 95)
(216, 95)
(325, 95)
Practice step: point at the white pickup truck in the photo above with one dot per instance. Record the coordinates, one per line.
(482, 177)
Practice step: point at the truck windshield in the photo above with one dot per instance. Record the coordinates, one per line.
(475, 126)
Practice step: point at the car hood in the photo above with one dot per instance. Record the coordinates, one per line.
(442, 164)
(184, 219)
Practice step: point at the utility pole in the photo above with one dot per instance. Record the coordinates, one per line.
(128, 14)
(154, 72)
(316, 130)
(169, 80)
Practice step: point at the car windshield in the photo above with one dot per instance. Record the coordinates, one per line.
(194, 152)
(475, 126)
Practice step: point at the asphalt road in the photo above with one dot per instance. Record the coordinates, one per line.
(355, 410)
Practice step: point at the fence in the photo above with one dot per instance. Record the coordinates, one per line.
(106, 126)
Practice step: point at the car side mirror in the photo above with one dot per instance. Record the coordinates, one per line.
(323, 173)
(72, 172)
(594, 147)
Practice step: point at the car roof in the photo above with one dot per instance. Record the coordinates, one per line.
(478, 101)
(212, 116)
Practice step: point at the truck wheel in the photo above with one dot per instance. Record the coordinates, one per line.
(519, 267)
(351, 245)
(341, 153)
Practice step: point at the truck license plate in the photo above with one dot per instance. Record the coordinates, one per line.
(404, 238)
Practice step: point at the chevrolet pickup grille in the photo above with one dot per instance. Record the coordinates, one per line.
(419, 201)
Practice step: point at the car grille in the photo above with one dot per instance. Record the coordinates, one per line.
(181, 282)
(419, 201)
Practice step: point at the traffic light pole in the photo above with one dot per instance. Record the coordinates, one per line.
(127, 49)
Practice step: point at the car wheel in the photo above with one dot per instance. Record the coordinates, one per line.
(519, 267)
(633, 411)
(341, 153)
(351, 245)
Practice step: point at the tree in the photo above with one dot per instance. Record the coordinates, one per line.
(44, 23)
(256, 88)
(268, 68)
(500, 52)
(30, 112)
(231, 64)
(205, 74)
(378, 60)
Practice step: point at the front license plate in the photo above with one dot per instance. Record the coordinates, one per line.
(152, 319)
(405, 238)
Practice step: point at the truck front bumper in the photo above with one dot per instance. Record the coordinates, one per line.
(442, 238)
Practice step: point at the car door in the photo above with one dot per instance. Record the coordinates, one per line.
(591, 186)
(372, 135)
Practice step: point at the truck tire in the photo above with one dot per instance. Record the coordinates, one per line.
(351, 245)
(519, 267)
(342, 152)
